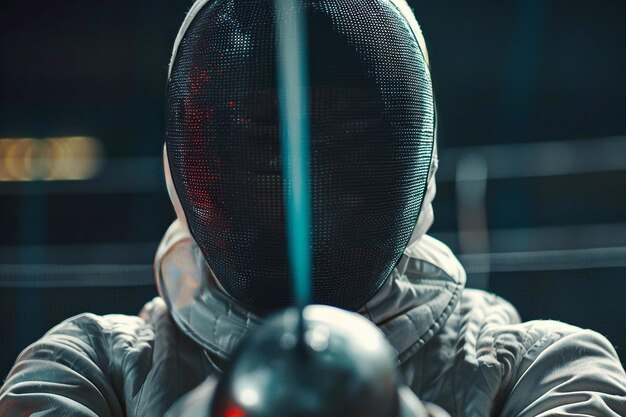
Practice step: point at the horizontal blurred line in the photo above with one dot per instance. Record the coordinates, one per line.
(61, 276)
(523, 160)
(64, 276)
(80, 253)
(548, 237)
(116, 176)
(553, 260)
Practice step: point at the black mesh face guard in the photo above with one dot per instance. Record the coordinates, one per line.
(372, 127)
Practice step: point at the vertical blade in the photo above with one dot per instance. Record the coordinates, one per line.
(294, 131)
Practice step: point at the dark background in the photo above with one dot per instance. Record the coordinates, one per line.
(533, 72)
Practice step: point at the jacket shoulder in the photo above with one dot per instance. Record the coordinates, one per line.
(112, 365)
(73, 368)
(490, 363)
(558, 369)
(539, 366)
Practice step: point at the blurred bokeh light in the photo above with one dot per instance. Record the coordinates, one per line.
(49, 159)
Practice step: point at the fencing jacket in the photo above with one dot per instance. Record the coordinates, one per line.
(464, 350)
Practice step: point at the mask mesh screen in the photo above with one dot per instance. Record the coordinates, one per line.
(372, 126)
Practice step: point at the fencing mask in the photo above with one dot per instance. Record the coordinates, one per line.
(372, 132)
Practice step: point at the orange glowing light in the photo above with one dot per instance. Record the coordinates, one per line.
(50, 159)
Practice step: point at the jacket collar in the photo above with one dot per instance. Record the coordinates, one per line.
(410, 308)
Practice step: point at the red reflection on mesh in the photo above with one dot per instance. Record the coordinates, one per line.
(233, 411)
(197, 114)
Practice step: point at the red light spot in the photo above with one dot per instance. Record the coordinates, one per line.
(231, 103)
(234, 412)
